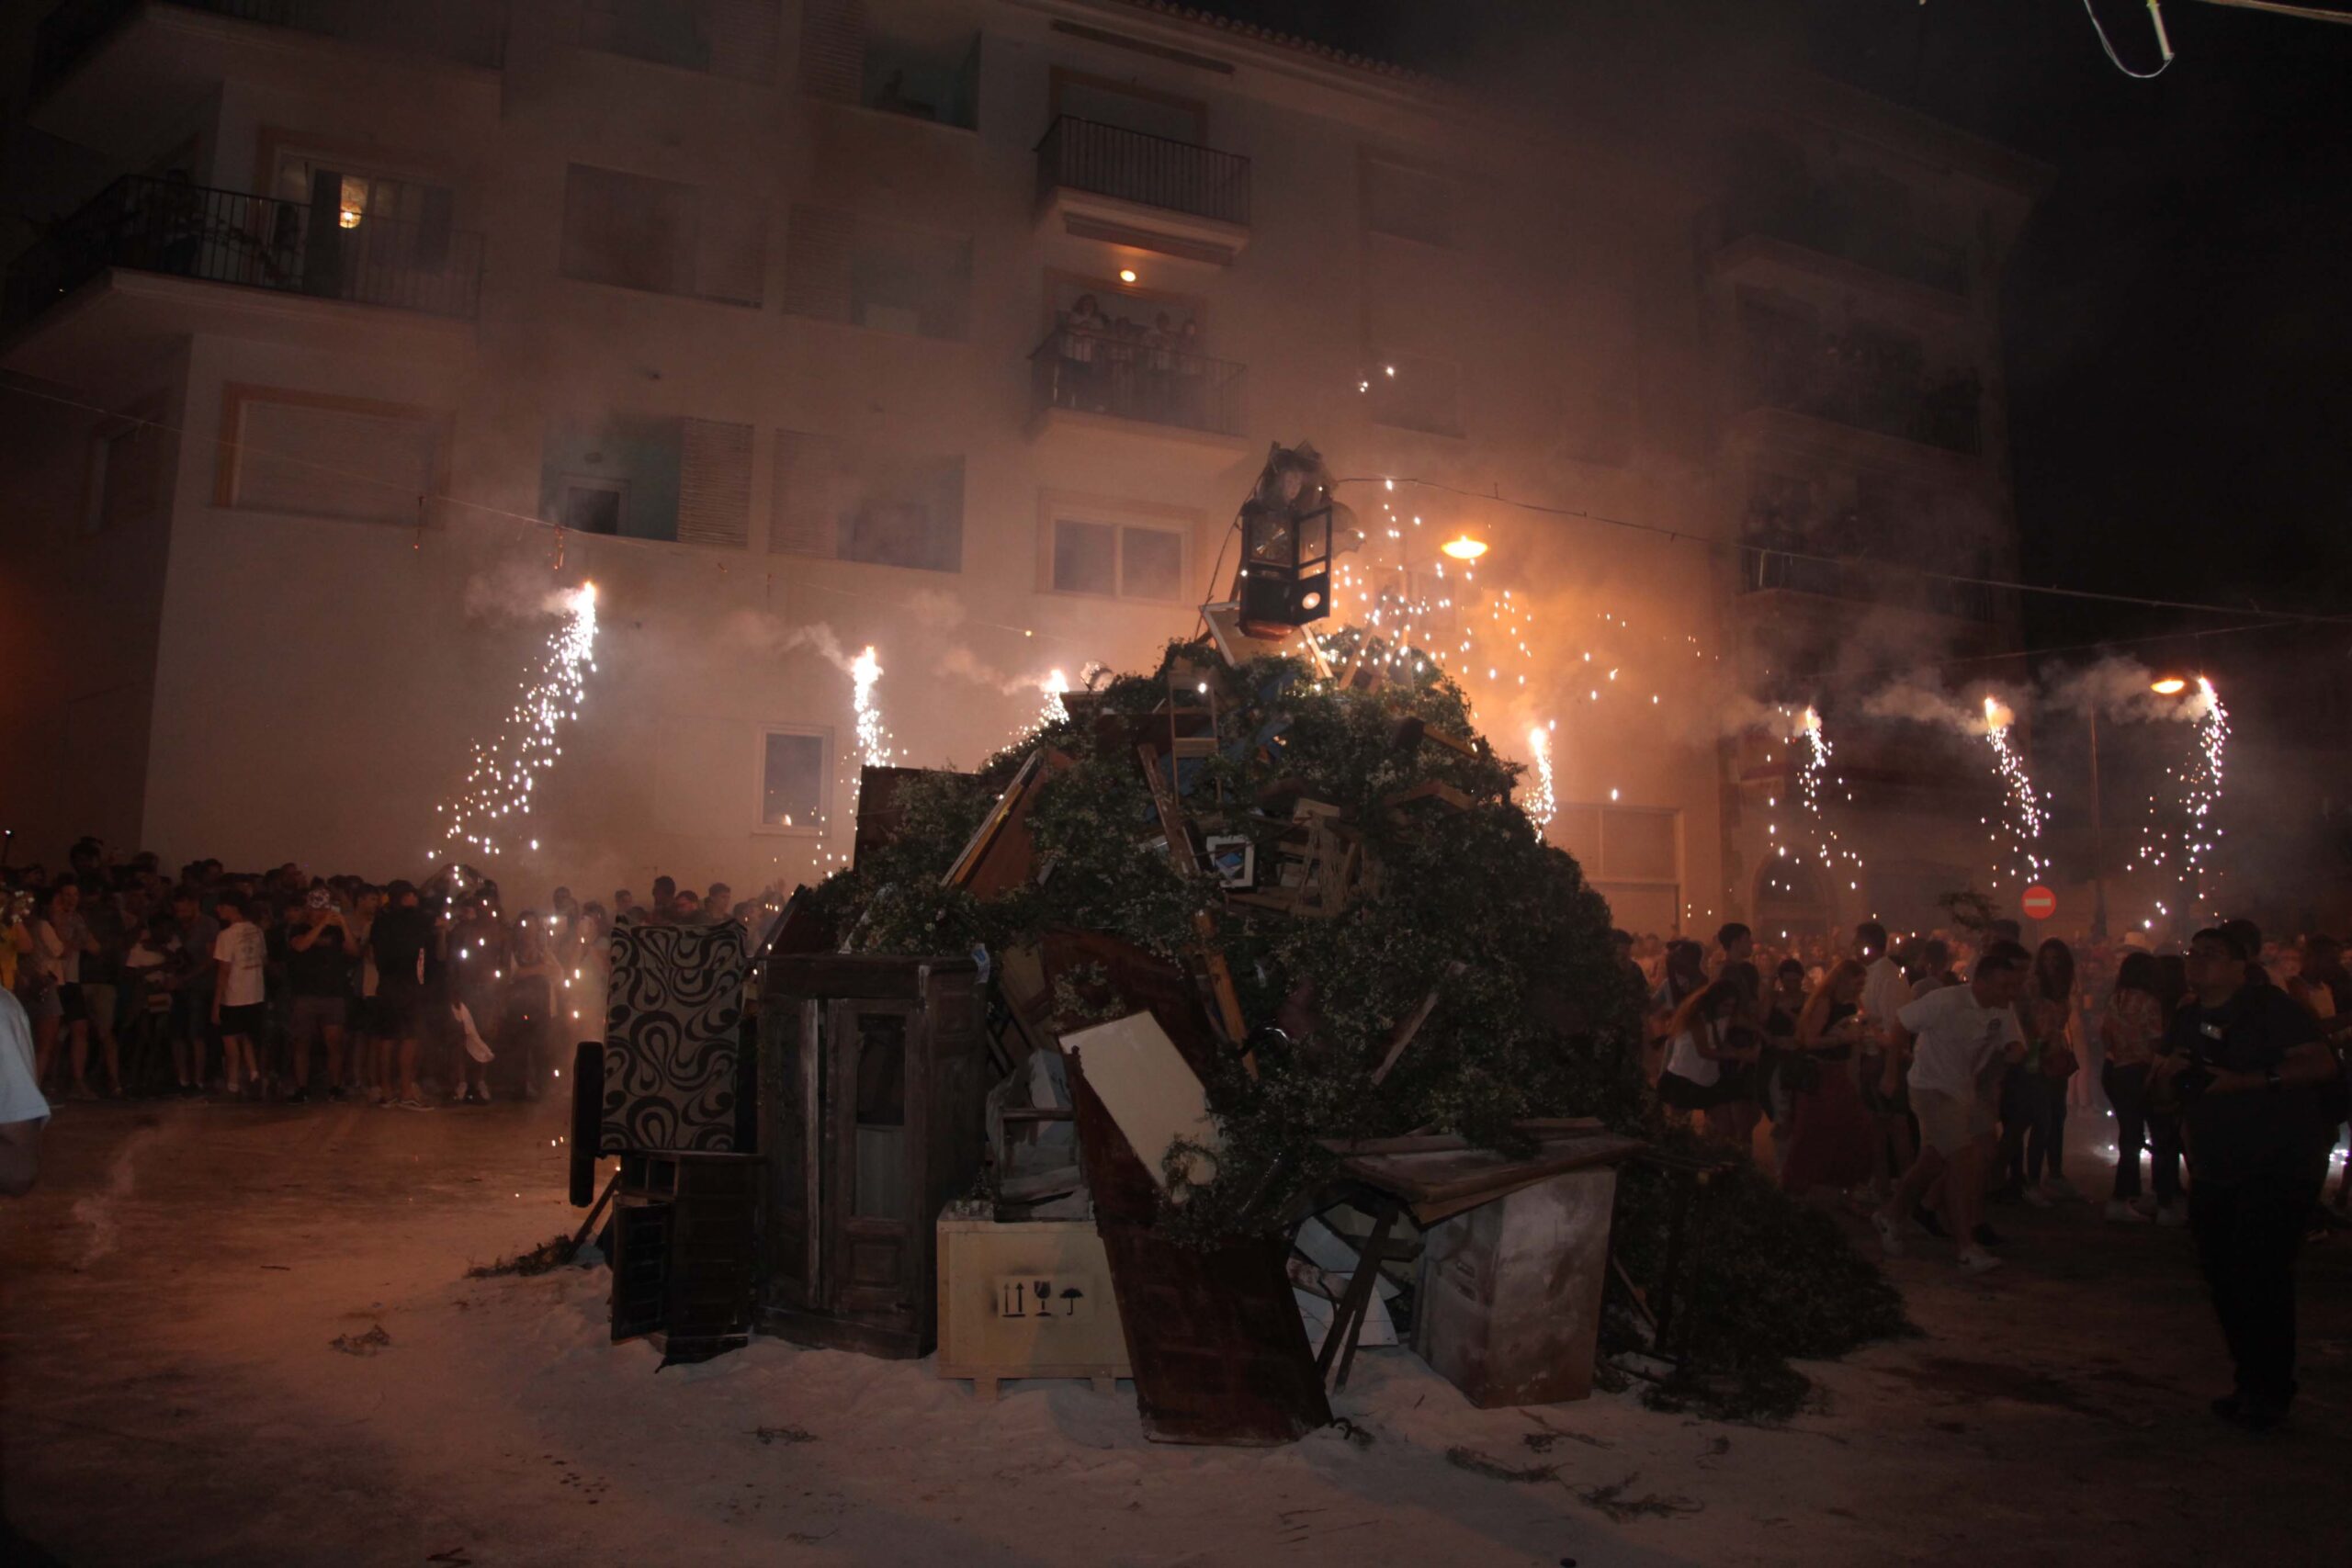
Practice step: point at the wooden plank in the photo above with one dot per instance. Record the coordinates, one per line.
(1438, 1178)
(1180, 848)
(1001, 854)
(1404, 1032)
(1239, 646)
(1154, 1097)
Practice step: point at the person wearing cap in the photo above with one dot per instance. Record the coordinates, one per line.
(2245, 1064)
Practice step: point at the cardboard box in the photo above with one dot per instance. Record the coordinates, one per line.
(1026, 1299)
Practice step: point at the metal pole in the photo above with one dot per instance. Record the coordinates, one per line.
(2098, 842)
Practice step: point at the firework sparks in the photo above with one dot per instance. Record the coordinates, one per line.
(505, 772)
(1540, 802)
(1054, 712)
(2023, 825)
(873, 738)
(2200, 796)
(1812, 774)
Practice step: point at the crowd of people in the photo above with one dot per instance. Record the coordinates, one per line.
(1929, 1080)
(1123, 366)
(285, 986)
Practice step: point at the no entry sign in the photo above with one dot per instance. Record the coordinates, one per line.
(2040, 902)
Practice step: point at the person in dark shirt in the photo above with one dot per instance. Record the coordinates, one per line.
(2244, 1063)
(321, 954)
(399, 941)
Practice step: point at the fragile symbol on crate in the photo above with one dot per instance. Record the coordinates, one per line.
(1031, 1296)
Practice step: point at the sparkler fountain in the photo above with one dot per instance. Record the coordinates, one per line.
(2023, 825)
(505, 769)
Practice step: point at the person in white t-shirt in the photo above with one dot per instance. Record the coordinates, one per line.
(1954, 1037)
(240, 956)
(23, 1111)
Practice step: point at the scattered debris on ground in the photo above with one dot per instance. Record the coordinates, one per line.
(1477, 1463)
(366, 1344)
(1611, 1500)
(545, 1259)
(784, 1434)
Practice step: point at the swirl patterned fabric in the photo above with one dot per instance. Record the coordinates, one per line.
(673, 1031)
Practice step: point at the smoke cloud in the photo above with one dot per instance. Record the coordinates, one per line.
(751, 632)
(515, 590)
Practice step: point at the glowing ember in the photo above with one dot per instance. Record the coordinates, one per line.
(505, 769)
(2024, 824)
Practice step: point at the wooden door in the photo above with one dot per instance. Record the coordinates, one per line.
(791, 1134)
(873, 1164)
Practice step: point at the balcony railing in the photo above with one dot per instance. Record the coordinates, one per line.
(1821, 223)
(1855, 380)
(471, 32)
(1773, 562)
(1154, 171)
(1136, 378)
(150, 224)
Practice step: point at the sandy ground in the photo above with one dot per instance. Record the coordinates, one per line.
(169, 1394)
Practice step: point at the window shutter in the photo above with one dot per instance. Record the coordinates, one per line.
(743, 35)
(816, 263)
(715, 490)
(832, 49)
(800, 521)
(730, 256)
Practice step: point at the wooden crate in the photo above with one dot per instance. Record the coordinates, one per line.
(990, 1327)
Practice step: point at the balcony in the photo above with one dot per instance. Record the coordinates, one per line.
(1102, 182)
(1783, 562)
(127, 249)
(1821, 223)
(1860, 379)
(121, 76)
(1129, 385)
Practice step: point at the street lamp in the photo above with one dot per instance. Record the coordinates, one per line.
(1464, 548)
(2169, 687)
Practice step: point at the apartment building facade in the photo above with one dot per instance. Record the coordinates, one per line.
(951, 328)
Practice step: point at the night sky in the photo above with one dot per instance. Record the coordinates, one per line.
(2179, 311)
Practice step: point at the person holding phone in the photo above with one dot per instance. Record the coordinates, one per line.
(321, 954)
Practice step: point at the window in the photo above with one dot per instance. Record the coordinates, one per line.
(840, 266)
(920, 67)
(659, 235)
(727, 38)
(350, 231)
(852, 502)
(1632, 855)
(1408, 202)
(684, 481)
(1416, 391)
(792, 781)
(326, 456)
(1092, 549)
(126, 474)
(593, 505)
